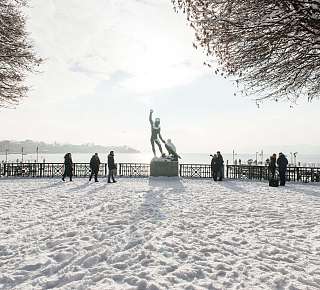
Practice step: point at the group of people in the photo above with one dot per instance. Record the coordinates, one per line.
(217, 166)
(94, 167)
(282, 163)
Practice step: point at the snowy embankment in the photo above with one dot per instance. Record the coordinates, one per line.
(158, 234)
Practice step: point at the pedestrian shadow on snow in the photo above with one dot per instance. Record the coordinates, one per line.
(79, 187)
(234, 185)
(51, 185)
(102, 186)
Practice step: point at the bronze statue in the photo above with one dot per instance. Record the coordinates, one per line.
(172, 150)
(155, 133)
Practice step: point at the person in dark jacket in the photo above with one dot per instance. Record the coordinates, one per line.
(272, 165)
(282, 164)
(68, 168)
(111, 167)
(220, 164)
(214, 167)
(94, 166)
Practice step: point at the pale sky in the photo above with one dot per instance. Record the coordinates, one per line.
(107, 62)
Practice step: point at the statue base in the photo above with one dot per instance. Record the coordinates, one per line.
(164, 167)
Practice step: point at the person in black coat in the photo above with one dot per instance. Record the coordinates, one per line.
(94, 166)
(272, 165)
(68, 168)
(214, 167)
(220, 164)
(111, 167)
(282, 164)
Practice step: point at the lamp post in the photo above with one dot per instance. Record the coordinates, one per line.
(295, 158)
(37, 153)
(7, 155)
(257, 158)
(22, 154)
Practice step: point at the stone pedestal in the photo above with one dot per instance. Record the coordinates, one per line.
(164, 167)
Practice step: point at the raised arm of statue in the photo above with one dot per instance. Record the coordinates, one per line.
(150, 117)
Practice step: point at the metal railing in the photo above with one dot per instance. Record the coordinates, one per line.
(195, 170)
(252, 172)
(134, 169)
(302, 174)
(47, 169)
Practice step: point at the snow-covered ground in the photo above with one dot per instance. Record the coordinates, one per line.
(158, 234)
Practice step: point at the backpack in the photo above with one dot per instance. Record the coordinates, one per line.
(273, 182)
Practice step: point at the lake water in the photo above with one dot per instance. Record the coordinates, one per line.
(199, 158)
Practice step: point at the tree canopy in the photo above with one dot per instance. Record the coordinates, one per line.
(17, 57)
(270, 47)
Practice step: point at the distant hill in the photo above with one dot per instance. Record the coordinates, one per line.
(30, 146)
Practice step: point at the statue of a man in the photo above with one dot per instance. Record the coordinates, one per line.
(155, 133)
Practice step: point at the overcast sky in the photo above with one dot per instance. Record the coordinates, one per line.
(107, 62)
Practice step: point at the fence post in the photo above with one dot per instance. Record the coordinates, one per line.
(227, 167)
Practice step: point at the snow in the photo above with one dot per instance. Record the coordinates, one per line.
(158, 233)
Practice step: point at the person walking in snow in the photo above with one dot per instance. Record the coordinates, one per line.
(94, 166)
(111, 167)
(282, 164)
(68, 167)
(220, 166)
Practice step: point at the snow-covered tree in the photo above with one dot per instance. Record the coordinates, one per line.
(270, 47)
(17, 57)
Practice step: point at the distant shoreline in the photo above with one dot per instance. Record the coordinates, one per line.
(32, 147)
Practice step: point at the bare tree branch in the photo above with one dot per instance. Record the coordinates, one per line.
(271, 47)
(17, 57)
